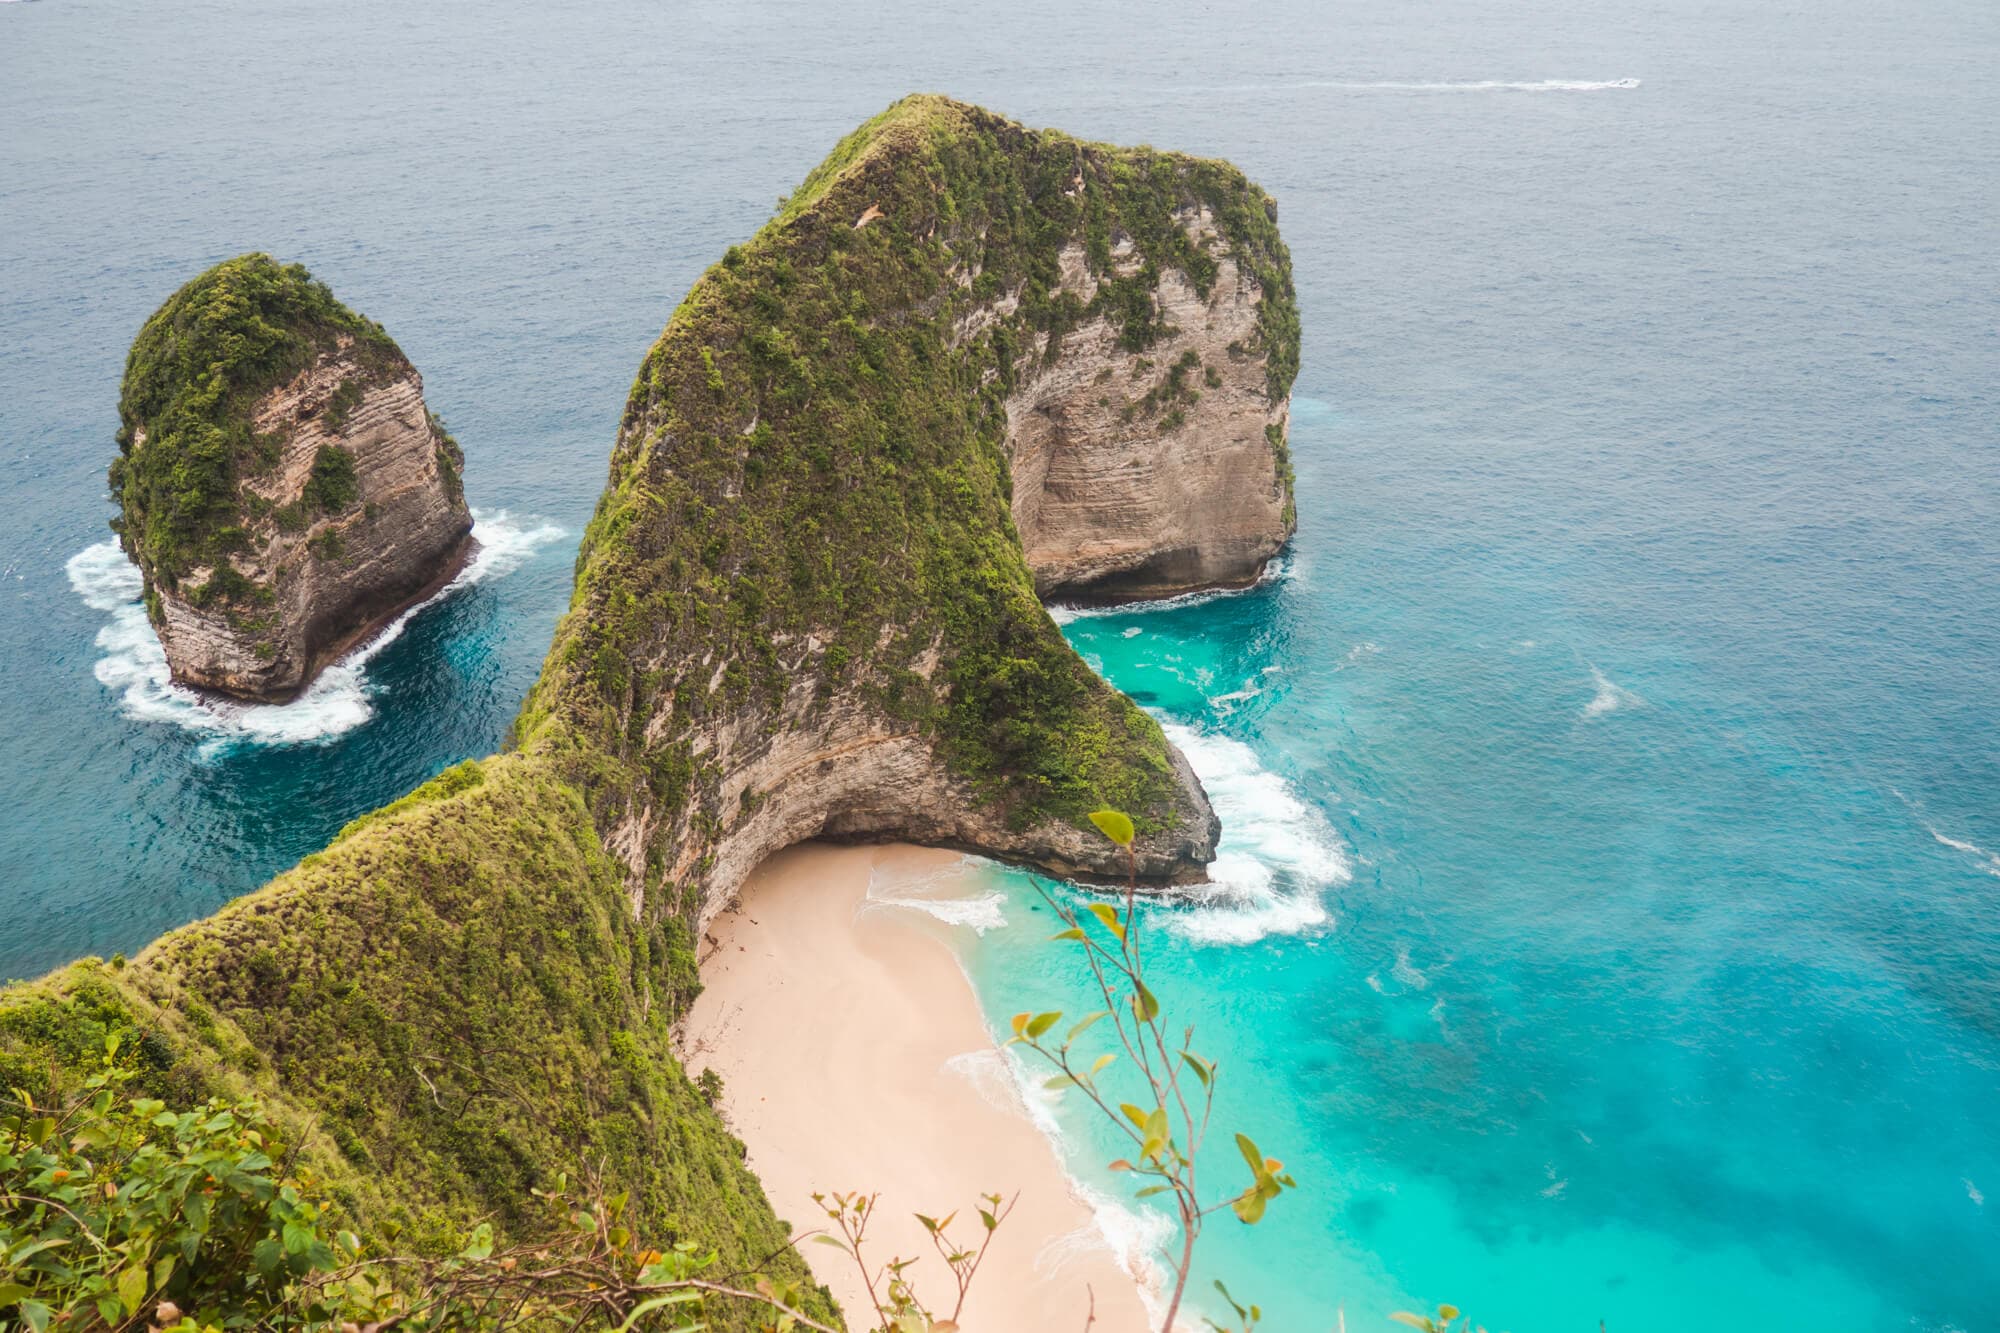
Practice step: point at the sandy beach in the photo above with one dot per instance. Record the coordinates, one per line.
(848, 1042)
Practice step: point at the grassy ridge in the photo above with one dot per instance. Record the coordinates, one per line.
(448, 1007)
(461, 996)
(811, 477)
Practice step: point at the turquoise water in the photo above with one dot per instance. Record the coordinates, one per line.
(1613, 798)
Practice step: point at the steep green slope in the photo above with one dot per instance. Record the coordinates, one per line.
(810, 492)
(806, 530)
(451, 1005)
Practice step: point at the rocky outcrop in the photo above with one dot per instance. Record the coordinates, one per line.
(330, 498)
(968, 364)
(1142, 474)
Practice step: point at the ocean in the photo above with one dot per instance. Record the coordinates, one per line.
(1606, 923)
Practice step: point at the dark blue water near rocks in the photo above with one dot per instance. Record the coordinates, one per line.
(1629, 946)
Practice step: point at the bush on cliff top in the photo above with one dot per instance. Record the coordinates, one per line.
(194, 373)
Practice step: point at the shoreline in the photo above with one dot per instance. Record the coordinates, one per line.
(854, 1056)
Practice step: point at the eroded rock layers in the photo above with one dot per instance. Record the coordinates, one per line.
(282, 485)
(967, 363)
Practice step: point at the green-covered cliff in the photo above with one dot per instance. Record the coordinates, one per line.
(802, 608)
(281, 483)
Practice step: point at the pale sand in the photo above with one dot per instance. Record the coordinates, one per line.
(832, 1027)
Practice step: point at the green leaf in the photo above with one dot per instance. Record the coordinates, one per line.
(658, 1303)
(1144, 1003)
(1098, 1066)
(1151, 1190)
(1108, 914)
(1043, 1022)
(1198, 1065)
(1073, 933)
(1058, 1083)
(132, 1288)
(11, 1292)
(1251, 1154)
(1115, 825)
(1083, 1025)
(1134, 1114)
(1249, 1206)
(36, 1315)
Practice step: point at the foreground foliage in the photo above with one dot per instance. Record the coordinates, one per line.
(442, 1013)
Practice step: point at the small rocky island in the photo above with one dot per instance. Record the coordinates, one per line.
(280, 482)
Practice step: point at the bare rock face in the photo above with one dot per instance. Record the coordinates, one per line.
(328, 500)
(968, 366)
(1142, 474)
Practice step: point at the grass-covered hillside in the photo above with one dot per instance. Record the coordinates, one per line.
(811, 481)
(467, 994)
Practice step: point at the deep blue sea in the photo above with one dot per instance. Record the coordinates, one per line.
(1607, 926)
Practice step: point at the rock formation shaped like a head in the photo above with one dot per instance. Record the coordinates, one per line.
(805, 607)
(281, 484)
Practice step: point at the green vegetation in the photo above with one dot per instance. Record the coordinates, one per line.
(440, 1014)
(331, 487)
(1168, 1125)
(424, 1032)
(810, 478)
(196, 370)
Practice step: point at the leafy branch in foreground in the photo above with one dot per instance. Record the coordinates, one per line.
(1169, 1126)
(898, 1309)
(118, 1213)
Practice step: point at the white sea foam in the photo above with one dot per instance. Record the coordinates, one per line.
(937, 894)
(1225, 704)
(992, 1077)
(134, 666)
(1406, 973)
(1357, 653)
(1279, 570)
(1133, 1233)
(1278, 855)
(1987, 861)
(1477, 85)
(1972, 1193)
(1609, 696)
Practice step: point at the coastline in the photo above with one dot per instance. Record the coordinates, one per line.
(847, 1040)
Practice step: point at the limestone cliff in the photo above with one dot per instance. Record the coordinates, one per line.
(966, 363)
(1145, 473)
(806, 606)
(282, 485)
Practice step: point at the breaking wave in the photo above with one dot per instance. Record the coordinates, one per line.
(1609, 696)
(1479, 85)
(920, 893)
(1985, 860)
(1278, 855)
(1278, 570)
(134, 665)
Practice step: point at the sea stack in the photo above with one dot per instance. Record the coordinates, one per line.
(281, 483)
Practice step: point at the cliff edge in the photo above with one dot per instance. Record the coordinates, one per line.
(967, 362)
(281, 484)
